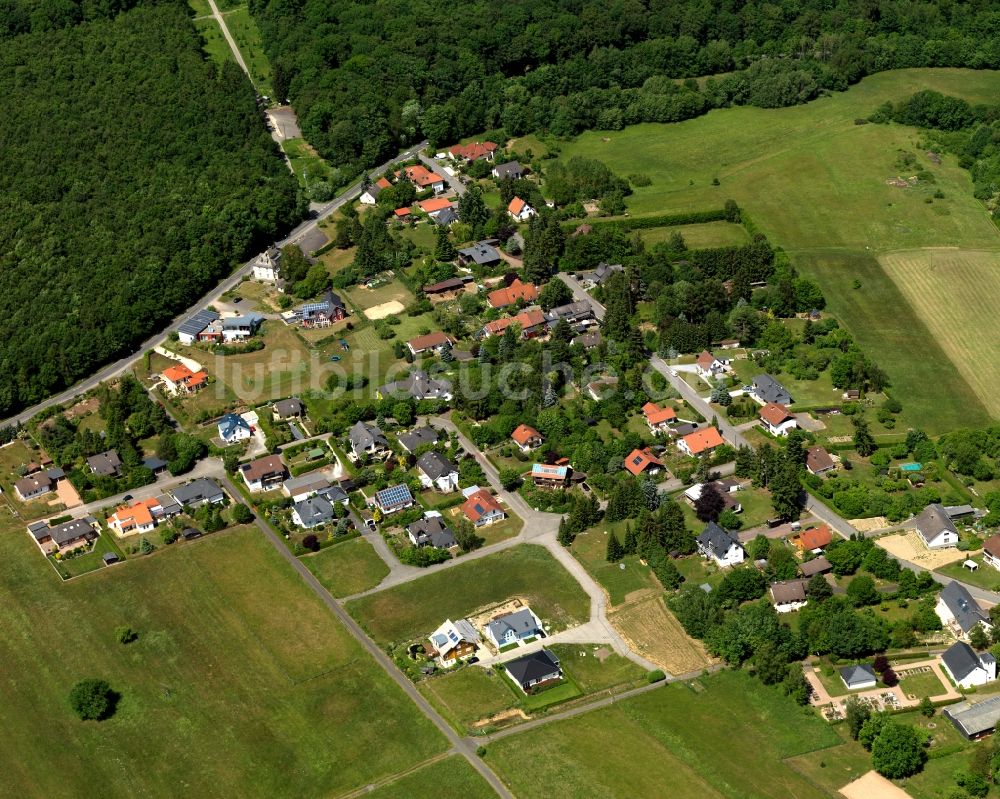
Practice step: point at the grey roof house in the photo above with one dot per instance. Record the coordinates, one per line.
(287, 408)
(766, 389)
(419, 386)
(968, 668)
(312, 511)
(481, 253)
(719, 545)
(603, 272)
(199, 492)
(858, 677)
(974, 720)
(512, 170)
(534, 669)
(417, 438)
(957, 609)
(513, 627)
(436, 471)
(192, 327)
(935, 528)
(431, 531)
(366, 439)
(105, 464)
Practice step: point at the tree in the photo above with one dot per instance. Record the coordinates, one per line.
(242, 514)
(444, 250)
(760, 547)
(553, 294)
(786, 491)
(856, 713)
(818, 589)
(898, 751)
(864, 441)
(770, 663)
(630, 544)
(926, 707)
(861, 591)
(510, 478)
(890, 678)
(472, 210)
(872, 728)
(125, 634)
(978, 638)
(565, 536)
(710, 503)
(311, 542)
(93, 700)
(615, 551)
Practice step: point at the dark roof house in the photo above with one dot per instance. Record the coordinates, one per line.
(431, 531)
(962, 607)
(530, 670)
(482, 253)
(769, 390)
(105, 464)
(417, 437)
(198, 492)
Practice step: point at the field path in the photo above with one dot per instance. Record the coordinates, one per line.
(231, 41)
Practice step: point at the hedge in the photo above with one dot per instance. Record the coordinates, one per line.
(657, 220)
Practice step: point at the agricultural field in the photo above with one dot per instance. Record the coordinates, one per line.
(448, 778)
(724, 736)
(414, 609)
(234, 657)
(349, 567)
(816, 184)
(699, 236)
(653, 631)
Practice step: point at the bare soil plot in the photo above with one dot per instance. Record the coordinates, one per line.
(873, 786)
(651, 629)
(953, 293)
(908, 546)
(385, 309)
(366, 298)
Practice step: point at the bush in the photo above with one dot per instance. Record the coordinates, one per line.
(93, 700)
(242, 514)
(311, 543)
(125, 634)
(656, 675)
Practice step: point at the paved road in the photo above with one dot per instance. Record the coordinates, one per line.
(209, 467)
(461, 745)
(452, 180)
(580, 294)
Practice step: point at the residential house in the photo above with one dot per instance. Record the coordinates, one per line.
(423, 179)
(394, 498)
(431, 531)
(959, 611)
(402, 214)
(233, 428)
(267, 267)
(532, 324)
(789, 595)
(578, 315)
(203, 491)
(659, 419)
(34, 485)
(452, 286)
(370, 195)
(530, 671)
(313, 511)
(851, 394)
(700, 442)
(291, 408)
(193, 326)
(527, 438)
(436, 471)
(417, 385)
(305, 486)
(446, 217)
(588, 340)
(598, 389)
(730, 343)
(813, 566)
(515, 292)
(550, 476)
(417, 438)
(482, 253)
(366, 439)
(436, 341)
(726, 490)
(966, 667)
(264, 473)
(473, 152)
(765, 389)
(819, 461)
(512, 628)
(720, 546)
(777, 420)
(603, 271)
(454, 641)
(105, 464)
(135, 518)
(156, 465)
(64, 537)
(859, 677)
(974, 719)
(482, 509)
(322, 313)
(240, 328)
(936, 528)
(708, 366)
(179, 379)
(814, 539)
(512, 170)
(991, 551)
(643, 461)
(519, 210)
(434, 206)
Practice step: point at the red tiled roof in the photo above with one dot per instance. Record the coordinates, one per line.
(638, 460)
(705, 359)
(516, 205)
(401, 212)
(656, 415)
(421, 176)
(434, 204)
(991, 546)
(479, 504)
(701, 440)
(774, 413)
(517, 290)
(436, 339)
(473, 152)
(523, 434)
(818, 459)
(382, 183)
(817, 538)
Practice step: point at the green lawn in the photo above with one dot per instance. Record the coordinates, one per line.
(590, 549)
(414, 609)
(922, 684)
(215, 44)
(984, 577)
(199, 7)
(241, 683)
(243, 29)
(727, 740)
(93, 559)
(596, 668)
(815, 183)
(451, 778)
(349, 567)
(469, 694)
(306, 164)
(700, 236)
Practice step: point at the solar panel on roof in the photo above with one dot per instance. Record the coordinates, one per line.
(394, 495)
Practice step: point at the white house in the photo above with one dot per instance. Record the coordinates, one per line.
(991, 551)
(788, 596)
(777, 420)
(519, 210)
(966, 667)
(233, 428)
(512, 628)
(267, 267)
(959, 612)
(858, 678)
(718, 545)
(436, 471)
(708, 366)
(935, 528)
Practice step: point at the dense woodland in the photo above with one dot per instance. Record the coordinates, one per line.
(367, 77)
(133, 175)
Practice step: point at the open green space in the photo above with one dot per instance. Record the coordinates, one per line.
(349, 567)
(726, 738)
(984, 577)
(468, 695)
(215, 44)
(416, 608)
(699, 236)
(243, 28)
(590, 548)
(596, 668)
(199, 7)
(238, 670)
(451, 778)
(816, 184)
(307, 165)
(92, 560)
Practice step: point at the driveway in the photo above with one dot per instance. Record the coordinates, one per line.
(582, 295)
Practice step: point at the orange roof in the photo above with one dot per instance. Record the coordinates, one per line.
(473, 151)
(497, 326)
(817, 538)
(479, 504)
(514, 292)
(382, 183)
(523, 434)
(516, 205)
(656, 415)
(705, 359)
(434, 204)
(137, 515)
(401, 212)
(178, 373)
(197, 379)
(421, 176)
(528, 319)
(701, 440)
(436, 339)
(639, 460)
(774, 413)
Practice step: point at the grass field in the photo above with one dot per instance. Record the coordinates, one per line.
(700, 236)
(653, 631)
(727, 740)
(468, 695)
(450, 778)
(416, 608)
(238, 674)
(348, 567)
(366, 298)
(215, 44)
(590, 548)
(596, 668)
(243, 29)
(308, 166)
(815, 183)
(985, 576)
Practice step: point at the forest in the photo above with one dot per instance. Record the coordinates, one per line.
(368, 77)
(133, 175)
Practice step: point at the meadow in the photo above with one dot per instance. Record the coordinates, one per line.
(241, 682)
(416, 608)
(726, 736)
(699, 236)
(816, 184)
(448, 778)
(244, 31)
(349, 567)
